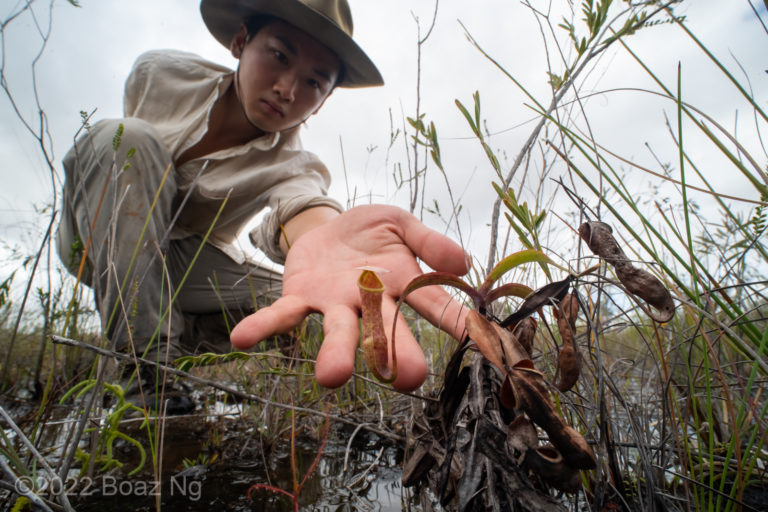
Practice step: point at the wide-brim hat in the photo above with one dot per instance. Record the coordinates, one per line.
(327, 21)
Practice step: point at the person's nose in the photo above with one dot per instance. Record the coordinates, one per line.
(285, 87)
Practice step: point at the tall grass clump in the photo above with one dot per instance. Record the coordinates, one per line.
(677, 411)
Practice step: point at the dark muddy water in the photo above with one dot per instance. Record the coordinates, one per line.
(364, 477)
(370, 482)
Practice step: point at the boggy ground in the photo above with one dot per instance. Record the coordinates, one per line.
(212, 458)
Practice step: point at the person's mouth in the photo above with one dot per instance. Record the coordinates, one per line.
(271, 107)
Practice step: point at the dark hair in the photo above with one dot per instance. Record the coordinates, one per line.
(256, 23)
(259, 21)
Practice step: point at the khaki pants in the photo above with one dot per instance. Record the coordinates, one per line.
(135, 270)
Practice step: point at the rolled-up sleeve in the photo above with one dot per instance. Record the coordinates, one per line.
(266, 236)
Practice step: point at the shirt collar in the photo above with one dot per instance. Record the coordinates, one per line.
(266, 141)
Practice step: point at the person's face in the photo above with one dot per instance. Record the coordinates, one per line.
(285, 75)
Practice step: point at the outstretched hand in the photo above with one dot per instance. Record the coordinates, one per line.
(321, 272)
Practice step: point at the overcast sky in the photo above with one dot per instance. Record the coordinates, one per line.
(92, 48)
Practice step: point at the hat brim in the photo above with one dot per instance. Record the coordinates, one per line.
(224, 17)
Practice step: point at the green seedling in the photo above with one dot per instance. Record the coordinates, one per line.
(109, 432)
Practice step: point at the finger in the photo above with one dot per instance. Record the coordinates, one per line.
(411, 363)
(336, 358)
(436, 250)
(440, 309)
(283, 315)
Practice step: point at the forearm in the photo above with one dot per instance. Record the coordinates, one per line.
(304, 222)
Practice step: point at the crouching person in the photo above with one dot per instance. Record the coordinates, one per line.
(154, 202)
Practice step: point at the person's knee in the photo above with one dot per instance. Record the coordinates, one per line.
(116, 139)
(134, 133)
(130, 136)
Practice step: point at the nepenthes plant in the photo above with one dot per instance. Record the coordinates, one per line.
(479, 444)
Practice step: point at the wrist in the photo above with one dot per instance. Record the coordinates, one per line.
(303, 223)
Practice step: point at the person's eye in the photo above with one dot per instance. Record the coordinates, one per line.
(280, 56)
(314, 84)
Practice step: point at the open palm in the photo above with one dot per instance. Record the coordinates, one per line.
(321, 272)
